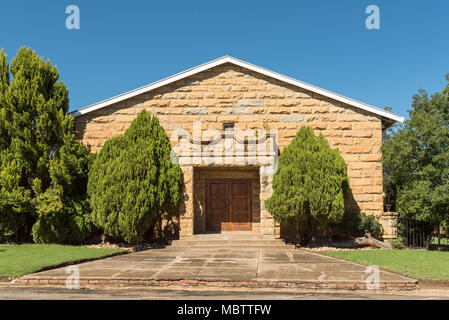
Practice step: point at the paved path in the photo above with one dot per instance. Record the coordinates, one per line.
(283, 266)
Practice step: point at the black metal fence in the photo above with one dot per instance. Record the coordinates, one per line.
(415, 234)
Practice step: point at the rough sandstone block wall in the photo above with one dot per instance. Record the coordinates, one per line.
(229, 93)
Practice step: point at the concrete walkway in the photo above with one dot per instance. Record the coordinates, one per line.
(238, 261)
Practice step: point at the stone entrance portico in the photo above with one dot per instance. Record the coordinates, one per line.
(246, 159)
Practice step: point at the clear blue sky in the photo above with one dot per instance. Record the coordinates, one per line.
(123, 45)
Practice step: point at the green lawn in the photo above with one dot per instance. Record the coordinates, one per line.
(17, 260)
(418, 264)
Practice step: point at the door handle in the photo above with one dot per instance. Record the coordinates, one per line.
(227, 202)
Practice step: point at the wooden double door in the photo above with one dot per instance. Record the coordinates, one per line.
(228, 204)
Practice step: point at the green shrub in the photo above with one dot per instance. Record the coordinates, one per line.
(6, 236)
(370, 224)
(132, 180)
(398, 244)
(309, 185)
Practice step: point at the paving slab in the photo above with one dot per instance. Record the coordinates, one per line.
(151, 264)
(136, 274)
(234, 274)
(109, 265)
(174, 273)
(223, 253)
(292, 256)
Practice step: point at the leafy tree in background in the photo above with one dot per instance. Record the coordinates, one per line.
(309, 185)
(416, 159)
(133, 180)
(34, 126)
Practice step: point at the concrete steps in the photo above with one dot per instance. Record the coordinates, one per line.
(231, 239)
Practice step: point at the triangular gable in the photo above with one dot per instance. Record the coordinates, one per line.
(391, 117)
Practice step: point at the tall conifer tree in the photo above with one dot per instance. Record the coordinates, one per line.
(33, 126)
(133, 180)
(309, 185)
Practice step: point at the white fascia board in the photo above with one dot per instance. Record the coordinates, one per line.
(246, 65)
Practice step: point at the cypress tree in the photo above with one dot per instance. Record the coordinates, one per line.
(4, 83)
(133, 180)
(63, 209)
(309, 185)
(33, 126)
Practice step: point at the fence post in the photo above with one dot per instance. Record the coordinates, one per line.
(389, 221)
(439, 236)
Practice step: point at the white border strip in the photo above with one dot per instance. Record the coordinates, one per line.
(243, 64)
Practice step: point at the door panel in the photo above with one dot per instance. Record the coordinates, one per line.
(217, 189)
(239, 211)
(217, 204)
(228, 205)
(239, 188)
